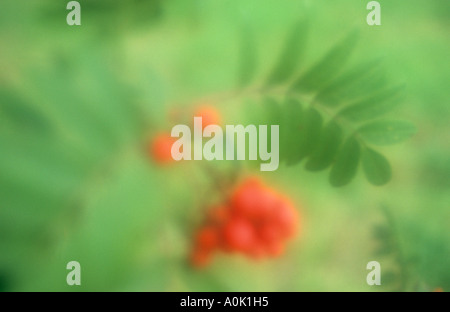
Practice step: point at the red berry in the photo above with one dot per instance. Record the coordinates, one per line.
(238, 235)
(286, 218)
(246, 198)
(254, 201)
(257, 223)
(207, 238)
(161, 148)
(268, 201)
(269, 233)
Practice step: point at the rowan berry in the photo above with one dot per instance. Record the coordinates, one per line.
(209, 115)
(269, 233)
(257, 221)
(161, 148)
(207, 238)
(246, 200)
(286, 218)
(238, 235)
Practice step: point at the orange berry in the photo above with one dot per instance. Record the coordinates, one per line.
(209, 114)
(267, 205)
(269, 233)
(286, 218)
(245, 199)
(161, 148)
(207, 238)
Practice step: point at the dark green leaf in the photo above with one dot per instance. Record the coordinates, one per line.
(291, 55)
(305, 136)
(247, 56)
(346, 164)
(385, 132)
(292, 121)
(328, 68)
(327, 148)
(373, 106)
(376, 167)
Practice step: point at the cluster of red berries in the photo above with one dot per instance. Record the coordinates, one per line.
(160, 148)
(257, 222)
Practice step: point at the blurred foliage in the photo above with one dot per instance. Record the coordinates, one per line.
(325, 130)
(78, 105)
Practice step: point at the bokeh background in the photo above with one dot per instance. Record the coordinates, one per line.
(79, 104)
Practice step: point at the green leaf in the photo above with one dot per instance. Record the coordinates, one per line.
(373, 106)
(387, 132)
(371, 82)
(291, 55)
(305, 135)
(273, 117)
(346, 164)
(328, 68)
(327, 148)
(376, 167)
(291, 122)
(352, 84)
(247, 56)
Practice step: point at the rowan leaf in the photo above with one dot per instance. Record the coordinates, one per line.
(373, 106)
(346, 164)
(291, 55)
(376, 167)
(385, 132)
(327, 148)
(351, 84)
(292, 121)
(247, 56)
(306, 135)
(328, 68)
